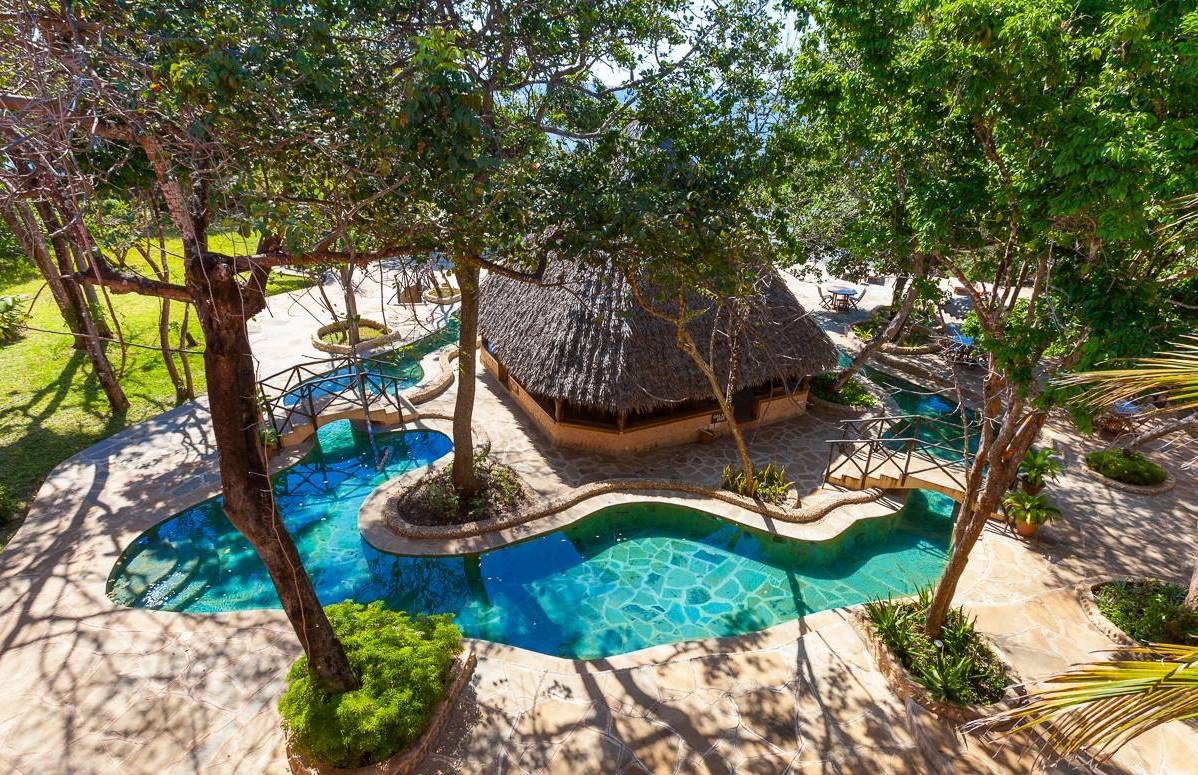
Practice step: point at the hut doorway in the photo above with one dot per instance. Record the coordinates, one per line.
(744, 405)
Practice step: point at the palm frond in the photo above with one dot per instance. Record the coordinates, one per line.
(1100, 706)
(1172, 373)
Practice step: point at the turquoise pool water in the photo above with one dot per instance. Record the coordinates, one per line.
(402, 363)
(622, 579)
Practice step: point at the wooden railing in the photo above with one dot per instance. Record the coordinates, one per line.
(301, 393)
(869, 444)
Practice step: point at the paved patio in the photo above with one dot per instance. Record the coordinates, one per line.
(91, 688)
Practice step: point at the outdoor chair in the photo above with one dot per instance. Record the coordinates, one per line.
(855, 301)
(826, 300)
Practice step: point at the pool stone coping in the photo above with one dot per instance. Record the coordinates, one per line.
(404, 762)
(1133, 489)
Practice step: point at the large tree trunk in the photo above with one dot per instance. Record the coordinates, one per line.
(465, 480)
(1186, 422)
(1002, 465)
(889, 334)
(84, 326)
(23, 225)
(687, 343)
(352, 336)
(245, 481)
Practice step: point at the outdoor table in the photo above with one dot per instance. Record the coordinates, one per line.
(843, 298)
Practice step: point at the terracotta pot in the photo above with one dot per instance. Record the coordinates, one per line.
(1030, 489)
(1026, 529)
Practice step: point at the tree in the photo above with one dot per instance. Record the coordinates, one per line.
(217, 117)
(530, 70)
(677, 199)
(998, 140)
(1101, 706)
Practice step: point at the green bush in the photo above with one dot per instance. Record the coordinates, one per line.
(959, 668)
(1126, 466)
(435, 501)
(771, 481)
(852, 394)
(12, 316)
(8, 504)
(403, 664)
(1150, 611)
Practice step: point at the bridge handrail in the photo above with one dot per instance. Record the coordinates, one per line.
(361, 386)
(871, 436)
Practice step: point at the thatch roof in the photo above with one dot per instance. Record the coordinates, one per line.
(583, 338)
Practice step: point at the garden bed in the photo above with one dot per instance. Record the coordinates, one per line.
(442, 294)
(432, 501)
(411, 670)
(334, 337)
(1134, 472)
(1135, 611)
(854, 395)
(963, 681)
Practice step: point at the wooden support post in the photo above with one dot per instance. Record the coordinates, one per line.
(557, 410)
(621, 420)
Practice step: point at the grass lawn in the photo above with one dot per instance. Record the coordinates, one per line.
(51, 405)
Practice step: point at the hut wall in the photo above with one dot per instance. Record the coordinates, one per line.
(682, 429)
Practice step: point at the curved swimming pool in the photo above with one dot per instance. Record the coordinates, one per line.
(624, 578)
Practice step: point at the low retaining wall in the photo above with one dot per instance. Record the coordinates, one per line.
(406, 761)
(379, 506)
(388, 337)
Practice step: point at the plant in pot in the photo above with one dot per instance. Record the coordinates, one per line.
(1038, 467)
(1028, 512)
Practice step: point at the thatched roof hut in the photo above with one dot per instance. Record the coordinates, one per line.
(586, 351)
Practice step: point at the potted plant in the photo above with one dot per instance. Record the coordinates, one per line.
(1028, 512)
(1038, 466)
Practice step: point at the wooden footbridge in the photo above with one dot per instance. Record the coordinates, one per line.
(903, 452)
(295, 402)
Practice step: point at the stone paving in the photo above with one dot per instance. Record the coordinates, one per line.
(91, 688)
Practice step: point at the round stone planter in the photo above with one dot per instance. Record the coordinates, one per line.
(903, 684)
(1135, 489)
(386, 337)
(434, 296)
(1087, 599)
(406, 761)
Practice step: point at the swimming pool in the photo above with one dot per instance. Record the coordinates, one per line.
(621, 579)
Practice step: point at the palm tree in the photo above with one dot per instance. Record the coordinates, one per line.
(1100, 706)
(1172, 373)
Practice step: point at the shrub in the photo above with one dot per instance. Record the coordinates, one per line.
(1040, 466)
(403, 664)
(1030, 509)
(11, 317)
(771, 481)
(959, 668)
(8, 504)
(852, 394)
(435, 501)
(1148, 610)
(1126, 466)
